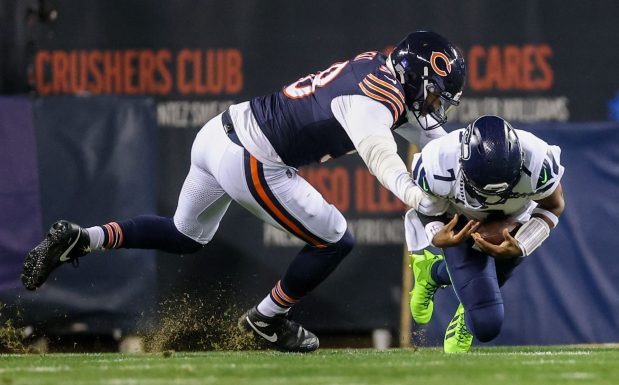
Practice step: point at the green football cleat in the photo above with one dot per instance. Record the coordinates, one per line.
(458, 339)
(422, 295)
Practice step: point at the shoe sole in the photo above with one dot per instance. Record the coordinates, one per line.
(35, 259)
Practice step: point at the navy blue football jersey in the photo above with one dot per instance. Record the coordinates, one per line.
(298, 120)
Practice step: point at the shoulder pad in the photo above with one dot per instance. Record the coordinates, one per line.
(434, 169)
(542, 164)
(383, 87)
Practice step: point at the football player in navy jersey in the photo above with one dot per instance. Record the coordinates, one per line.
(488, 171)
(250, 153)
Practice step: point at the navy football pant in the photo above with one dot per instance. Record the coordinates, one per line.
(309, 268)
(476, 278)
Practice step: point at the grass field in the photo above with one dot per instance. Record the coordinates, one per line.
(506, 365)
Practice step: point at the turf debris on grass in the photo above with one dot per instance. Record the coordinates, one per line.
(484, 366)
(187, 323)
(12, 339)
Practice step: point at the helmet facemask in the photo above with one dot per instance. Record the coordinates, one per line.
(502, 191)
(430, 103)
(431, 111)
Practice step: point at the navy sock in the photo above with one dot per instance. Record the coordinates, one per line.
(310, 267)
(148, 232)
(439, 273)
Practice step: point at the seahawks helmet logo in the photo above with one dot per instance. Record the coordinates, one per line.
(465, 144)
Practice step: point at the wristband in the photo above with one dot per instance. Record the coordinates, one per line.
(432, 228)
(551, 216)
(531, 235)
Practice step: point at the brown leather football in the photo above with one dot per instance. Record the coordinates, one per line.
(492, 231)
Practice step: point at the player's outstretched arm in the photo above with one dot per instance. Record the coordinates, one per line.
(368, 125)
(380, 155)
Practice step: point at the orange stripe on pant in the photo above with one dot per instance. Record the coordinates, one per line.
(274, 210)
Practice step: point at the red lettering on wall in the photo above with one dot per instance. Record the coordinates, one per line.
(138, 71)
(510, 67)
(371, 197)
(113, 77)
(209, 72)
(94, 69)
(332, 183)
(164, 82)
(234, 73)
(41, 61)
(60, 71)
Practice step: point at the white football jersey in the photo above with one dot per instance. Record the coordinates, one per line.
(436, 170)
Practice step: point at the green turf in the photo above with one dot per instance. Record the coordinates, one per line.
(511, 365)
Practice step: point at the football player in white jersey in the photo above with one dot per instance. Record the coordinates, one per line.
(487, 171)
(250, 153)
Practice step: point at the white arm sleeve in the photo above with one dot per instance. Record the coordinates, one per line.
(368, 124)
(381, 157)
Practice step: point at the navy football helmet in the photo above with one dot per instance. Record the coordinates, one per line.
(491, 159)
(432, 72)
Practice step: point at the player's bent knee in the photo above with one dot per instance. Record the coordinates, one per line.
(485, 323)
(483, 303)
(187, 245)
(183, 244)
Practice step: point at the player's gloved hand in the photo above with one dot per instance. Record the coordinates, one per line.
(506, 250)
(446, 237)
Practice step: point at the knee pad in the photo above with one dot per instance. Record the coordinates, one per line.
(485, 322)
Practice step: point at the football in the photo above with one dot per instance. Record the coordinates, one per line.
(492, 230)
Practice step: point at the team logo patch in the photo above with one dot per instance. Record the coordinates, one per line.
(435, 67)
(465, 144)
(545, 175)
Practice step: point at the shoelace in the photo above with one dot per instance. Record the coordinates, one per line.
(463, 333)
(428, 293)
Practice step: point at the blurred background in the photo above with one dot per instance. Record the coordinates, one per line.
(100, 102)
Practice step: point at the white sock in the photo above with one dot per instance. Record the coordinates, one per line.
(96, 237)
(269, 308)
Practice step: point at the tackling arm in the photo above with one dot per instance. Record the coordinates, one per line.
(368, 125)
(380, 155)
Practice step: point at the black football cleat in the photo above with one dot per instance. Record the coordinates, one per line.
(279, 332)
(64, 242)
